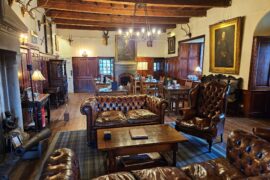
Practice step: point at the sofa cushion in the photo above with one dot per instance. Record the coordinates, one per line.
(117, 176)
(165, 173)
(110, 118)
(214, 169)
(141, 116)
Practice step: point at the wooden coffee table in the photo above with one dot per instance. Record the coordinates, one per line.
(161, 138)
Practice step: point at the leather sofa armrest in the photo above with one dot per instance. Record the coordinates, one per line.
(261, 132)
(89, 108)
(157, 106)
(186, 113)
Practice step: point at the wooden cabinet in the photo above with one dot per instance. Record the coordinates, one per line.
(57, 77)
(256, 103)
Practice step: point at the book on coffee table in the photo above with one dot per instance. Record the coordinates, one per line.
(138, 133)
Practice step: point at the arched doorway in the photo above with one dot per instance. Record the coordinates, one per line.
(259, 77)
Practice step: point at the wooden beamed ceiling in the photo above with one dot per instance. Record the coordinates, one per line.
(115, 14)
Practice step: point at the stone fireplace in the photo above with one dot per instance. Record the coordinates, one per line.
(10, 29)
(124, 70)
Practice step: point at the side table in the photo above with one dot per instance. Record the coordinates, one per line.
(54, 95)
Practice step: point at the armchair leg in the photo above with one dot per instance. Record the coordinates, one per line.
(210, 142)
(221, 138)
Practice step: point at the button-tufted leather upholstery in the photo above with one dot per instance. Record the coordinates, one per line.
(248, 153)
(248, 158)
(206, 115)
(61, 164)
(160, 173)
(117, 176)
(101, 112)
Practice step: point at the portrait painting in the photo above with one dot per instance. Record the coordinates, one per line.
(225, 41)
(171, 45)
(125, 49)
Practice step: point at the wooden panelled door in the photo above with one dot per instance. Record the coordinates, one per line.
(189, 58)
(85, 70)
(259, 79)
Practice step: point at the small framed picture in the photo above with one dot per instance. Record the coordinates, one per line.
(171, 45)
(16, 141)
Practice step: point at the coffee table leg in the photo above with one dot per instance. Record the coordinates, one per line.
(175, 148)
(112, 162)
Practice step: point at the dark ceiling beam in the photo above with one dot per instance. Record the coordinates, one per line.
(61, 26)
(113, 25)
(114, 18)
(172, 3)
(99, 28)
(118, 9)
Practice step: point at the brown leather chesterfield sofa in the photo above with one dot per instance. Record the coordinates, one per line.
(205, 117)
(248, 157)
(121, 111)
(61, 164)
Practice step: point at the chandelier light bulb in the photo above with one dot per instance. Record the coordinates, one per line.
(154, 30)
(127, 33)
(148, 33)
(143, 30)
(130, 30)
(138, 33)
(119, 31)
(159, 31)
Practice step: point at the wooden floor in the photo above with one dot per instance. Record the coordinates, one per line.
(78, 122)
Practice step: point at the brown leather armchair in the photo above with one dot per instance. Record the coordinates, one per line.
(206, 115)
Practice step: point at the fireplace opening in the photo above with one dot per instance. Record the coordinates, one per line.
(125, 78)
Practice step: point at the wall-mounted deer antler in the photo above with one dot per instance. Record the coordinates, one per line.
(105, 37)
(26, 7)
(188, 33)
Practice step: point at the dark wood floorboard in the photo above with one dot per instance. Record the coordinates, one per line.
(77, 121)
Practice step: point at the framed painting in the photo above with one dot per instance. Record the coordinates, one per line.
(225, 46)
(171, 45)
(125, 49)
(48, 36)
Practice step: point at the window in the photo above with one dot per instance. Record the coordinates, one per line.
(157, 66)
(106, 66)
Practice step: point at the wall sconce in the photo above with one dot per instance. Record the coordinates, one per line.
(23, 38)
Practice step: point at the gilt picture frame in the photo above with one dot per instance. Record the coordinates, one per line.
(225, 46)
(171, 45)
(125, 50)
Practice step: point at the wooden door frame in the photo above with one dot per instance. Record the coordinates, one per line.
(254, 64)
(197, 37)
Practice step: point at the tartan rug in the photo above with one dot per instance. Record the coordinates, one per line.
(92, 161)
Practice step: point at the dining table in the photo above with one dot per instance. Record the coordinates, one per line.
(176, 94)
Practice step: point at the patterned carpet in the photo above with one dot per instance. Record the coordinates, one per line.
(92, 162)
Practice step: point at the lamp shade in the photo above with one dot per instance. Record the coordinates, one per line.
(142, 66)
(37, 76)
(198, 69)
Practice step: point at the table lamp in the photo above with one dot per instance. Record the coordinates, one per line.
(198, 72)
(37, 76)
